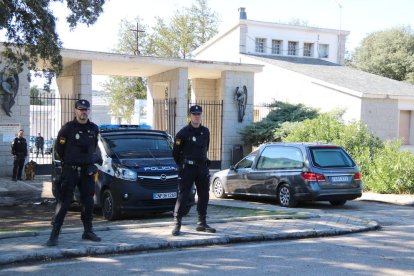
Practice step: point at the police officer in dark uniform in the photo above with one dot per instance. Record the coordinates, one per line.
(76, 144)
(190, 153)
(19, 151)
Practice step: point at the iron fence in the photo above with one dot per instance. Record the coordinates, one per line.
(164, 115)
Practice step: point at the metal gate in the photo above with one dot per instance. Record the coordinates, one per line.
(164, 119)
(213, 119)
(47, 115)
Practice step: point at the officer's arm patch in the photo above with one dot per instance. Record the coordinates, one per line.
(62, 140)
(178, 142)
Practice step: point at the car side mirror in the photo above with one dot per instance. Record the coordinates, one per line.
(232, 168)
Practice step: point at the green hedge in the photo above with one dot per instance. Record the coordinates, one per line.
(384, 167)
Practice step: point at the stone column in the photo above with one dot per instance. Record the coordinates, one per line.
(231, 126)
(19, 119)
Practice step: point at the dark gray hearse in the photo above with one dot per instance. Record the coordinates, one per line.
(138, 172)
(293, 172)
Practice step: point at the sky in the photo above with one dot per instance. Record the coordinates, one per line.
(360, 17)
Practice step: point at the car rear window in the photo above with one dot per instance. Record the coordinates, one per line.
(330, 157)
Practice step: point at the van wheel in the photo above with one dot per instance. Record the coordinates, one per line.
(337, 202)
(285, 196)
(109, 206)
(218, 188)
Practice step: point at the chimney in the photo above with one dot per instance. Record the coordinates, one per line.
(242, 12)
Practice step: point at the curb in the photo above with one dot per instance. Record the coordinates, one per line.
(95, 251)
(149, 225)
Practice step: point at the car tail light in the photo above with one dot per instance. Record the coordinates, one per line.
(358, 175)
(313, 176)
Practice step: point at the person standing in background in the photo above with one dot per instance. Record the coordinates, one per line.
(19, 151)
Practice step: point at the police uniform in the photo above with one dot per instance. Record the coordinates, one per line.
(19, 151)
(76, 145)
(190, 154)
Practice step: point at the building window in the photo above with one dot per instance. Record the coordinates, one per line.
(292, 48)
(323, 50)
(307, 49)
(276, 47)
(260, 45)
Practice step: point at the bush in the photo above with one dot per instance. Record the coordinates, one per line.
(392, 171)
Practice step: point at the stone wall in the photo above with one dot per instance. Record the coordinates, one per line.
(20, 119)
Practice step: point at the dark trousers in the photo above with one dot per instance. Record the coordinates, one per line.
(18, 165)
(199, 175)
(39, 149)
(86, 185)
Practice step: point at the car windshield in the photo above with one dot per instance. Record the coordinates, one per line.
(132, 145)
(330, 157)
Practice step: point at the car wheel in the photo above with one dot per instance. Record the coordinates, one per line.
(337, 202)
(218, 188)
(109, 206)
(285, 196)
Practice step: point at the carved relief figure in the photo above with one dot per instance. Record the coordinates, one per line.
(241, 97)
(9, 85)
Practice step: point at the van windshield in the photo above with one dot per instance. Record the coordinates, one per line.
(330, 157)
(138, 146)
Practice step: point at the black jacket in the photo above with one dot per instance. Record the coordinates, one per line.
(76, 143)
(19, 146)
(192, 144)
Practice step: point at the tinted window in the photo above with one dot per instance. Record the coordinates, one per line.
(275, 157)
(331, 157)
(246, 162)
(133, 145)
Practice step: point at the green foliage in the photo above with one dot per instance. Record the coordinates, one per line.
(31, 32)
(124, 92)
(34, 96)
(392, 171)
(388, 53)
(268, 130)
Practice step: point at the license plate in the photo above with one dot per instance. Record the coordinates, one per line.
(340, 179)
(164, 195)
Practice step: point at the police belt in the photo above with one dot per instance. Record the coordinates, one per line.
(195, 162)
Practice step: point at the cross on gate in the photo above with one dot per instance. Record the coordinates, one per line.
(137, 31)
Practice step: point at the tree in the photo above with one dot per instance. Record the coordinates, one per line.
(268, 130)
(388, 53)
(34, 96)
(31, 32)
(186, 30)
(124, 91)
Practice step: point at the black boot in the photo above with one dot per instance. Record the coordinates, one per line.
(177, 226)
(203, 226)
(88, 234)
(54, 235)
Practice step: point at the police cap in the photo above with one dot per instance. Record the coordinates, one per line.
(196, 109)
(82, 104)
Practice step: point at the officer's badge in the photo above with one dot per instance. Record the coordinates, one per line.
(194, 139)
(178, 142)
(77, 136)
(62, 140)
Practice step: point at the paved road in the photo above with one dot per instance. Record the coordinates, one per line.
(388, 251)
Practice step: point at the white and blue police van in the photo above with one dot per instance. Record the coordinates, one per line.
(137, 172)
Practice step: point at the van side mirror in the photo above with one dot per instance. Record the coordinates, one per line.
(232, 168)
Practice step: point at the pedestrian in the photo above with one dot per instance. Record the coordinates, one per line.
(19, 151)
(76, 144)
(39, 143)
(190, 153)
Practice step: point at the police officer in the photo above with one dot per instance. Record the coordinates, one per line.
(19, 151)
(76, 144)
(190, 153)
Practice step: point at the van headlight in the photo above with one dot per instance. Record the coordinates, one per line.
(126, 174)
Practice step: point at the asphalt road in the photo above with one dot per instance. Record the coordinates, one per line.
(388, 251)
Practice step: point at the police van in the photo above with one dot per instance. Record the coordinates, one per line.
(137, 173)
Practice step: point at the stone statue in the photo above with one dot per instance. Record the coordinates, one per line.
(240, 96)
(9, 85)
